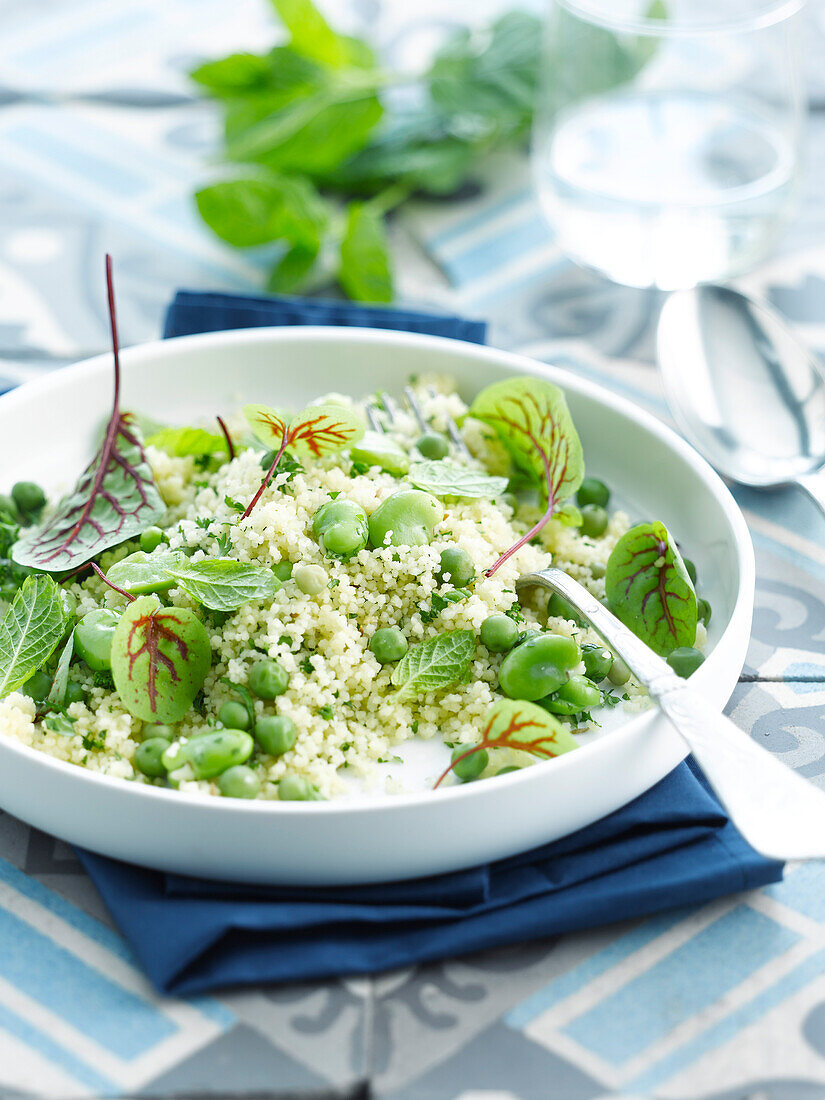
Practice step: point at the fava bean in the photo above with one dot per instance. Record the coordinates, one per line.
(410, 514)
(210, 754)
(576, 695)
(597, 661)
(282, 570)
(538, 666)
(93, 638)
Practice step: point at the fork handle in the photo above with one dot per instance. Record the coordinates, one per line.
(779, 813)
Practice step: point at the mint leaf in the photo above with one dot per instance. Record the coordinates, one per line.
(57, 694)
(434, 664)
(30, 631)
(648, 588)
(313, 37)
(291, 271)
(141, 573)
(222, 584)
(443, 478)
(312, 134)
(249, 212)
(365, 272)
(238, 74)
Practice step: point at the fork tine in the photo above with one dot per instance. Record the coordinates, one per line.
(390, 406)
(452, 429)
(412, 401)
(374, 419)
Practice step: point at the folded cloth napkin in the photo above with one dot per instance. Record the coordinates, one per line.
(673, 846)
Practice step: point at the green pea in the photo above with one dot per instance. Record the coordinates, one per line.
(470, 767)
(282, 570)
(211, 753)
(559, 608)
(388, 644)
(234, 715)
(341, 528)
(691, 569)
(433, 445)
(538, 666)
(498, 633)
(455, 566)
(379, 449)
(268, 679)
(685, 660)
(239, 782)
(38, 686)
(149, 757)
(311, 579)
(619, 672)
(29, 497)
(151, 539)
(508, 769)
(594, 521)
(593, 491)
(158, 729)
(295, 788)
(275, 733)
(93, 638)
(704, 611)
(597, 661)
(410, 514)
(8, 510)
(74, 692)
(576, 695)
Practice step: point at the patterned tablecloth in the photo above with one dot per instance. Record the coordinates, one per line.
(100, 145)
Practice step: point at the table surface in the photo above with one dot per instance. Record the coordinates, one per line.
(100, 147)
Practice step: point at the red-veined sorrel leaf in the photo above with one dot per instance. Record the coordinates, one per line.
(512, 724)
(115, 499)
(649, 589)
(317, 431)
(531, 418)
(160, 658)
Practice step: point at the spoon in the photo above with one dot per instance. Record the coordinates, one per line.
(779, 813)
(743, 389)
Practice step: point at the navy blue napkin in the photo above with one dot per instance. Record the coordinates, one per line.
(671, 847)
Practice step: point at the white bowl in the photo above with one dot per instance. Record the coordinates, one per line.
(49, 428)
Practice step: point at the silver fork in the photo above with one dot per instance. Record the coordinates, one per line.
(383, 417)
(779, 813)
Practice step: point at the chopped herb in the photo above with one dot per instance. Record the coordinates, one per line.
(335, 495)
(414, 725)
(204, 522)
(90, 742)
(103, 679)
(347, 745)
(201, 483)
(236, 504)
(334, 583)
(326, 712)
(60, 723)
(358, 468)
(306, 666)
(224, 543)
(440, 602)
(285, 639)
(514, 612)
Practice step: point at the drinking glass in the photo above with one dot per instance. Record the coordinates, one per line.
(666, 136)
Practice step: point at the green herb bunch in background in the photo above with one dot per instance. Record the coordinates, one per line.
(331, 142)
